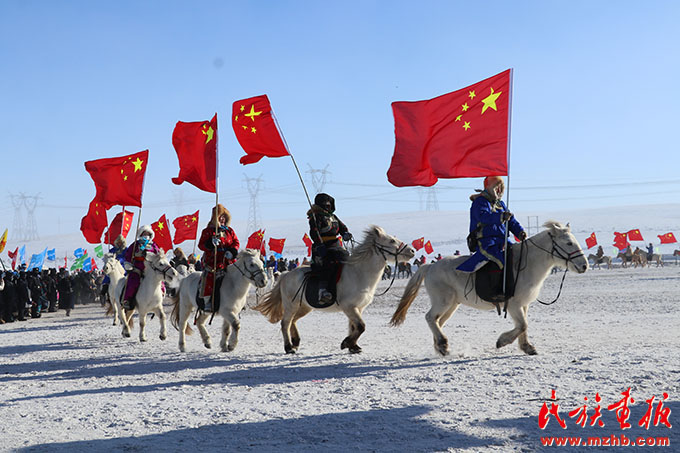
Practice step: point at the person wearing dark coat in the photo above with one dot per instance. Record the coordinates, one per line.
(9, 299)
(65, 287)
(23, 295)
(51, 290)
(325, 229)
(179, 258)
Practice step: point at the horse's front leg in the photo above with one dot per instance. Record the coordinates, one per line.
(357, 326)
(286, 322)
(142, 325)
(125, 320)
(184, 313)
(162, 319)
(518, 316)
(230, 329)
(200, 324)
(523, 338)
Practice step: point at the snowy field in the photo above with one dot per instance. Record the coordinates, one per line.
(74, 384)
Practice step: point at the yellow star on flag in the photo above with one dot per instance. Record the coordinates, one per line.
(193, 219)
(472, 94)
(253, 130)
(490, 101)
(465, 107)
(208, 133)
(243, 107)
(160, 224)
(252, 114)
(138, 164)
(466, 125)
(458, 118)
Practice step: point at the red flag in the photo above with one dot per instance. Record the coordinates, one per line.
(119, 180)
(3, 240)
(308, 242)
(591, 241)
(621, 240)
(255, 129)
(428, 248)
(667, 238)
(94, 222)
(456, 135)
(13, 255)
(256, 240)
(276, 245)
(418, 243)
(161, 234)
(196, 148)
(120, 225)
(186, 227)
(635, 235)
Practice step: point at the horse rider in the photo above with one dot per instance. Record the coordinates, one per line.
(650, 252)
(179, 258)
(222, 245)
(327, 251)
(118, 251)
(600, 253)
(135, 255)
(488, 218)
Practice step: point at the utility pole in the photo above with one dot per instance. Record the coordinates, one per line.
(30, 203)
(432, 203)
(253, 185)
(18, 224)
(319, 177)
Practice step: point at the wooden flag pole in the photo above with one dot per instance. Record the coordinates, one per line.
(217, 221)
(507, 199)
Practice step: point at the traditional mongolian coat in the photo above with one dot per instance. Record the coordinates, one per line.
(135, 255)
(228, 242)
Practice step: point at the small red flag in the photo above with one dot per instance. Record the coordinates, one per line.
(308, 242)
(186, 227)
(428, 248)
(120, 225)
(667, 238)
(635, 235)
(196, 147)
(161, 234)
(13, 255)
(94, 222)
(276, 245)
(255, 129)
(456, 135)
(621, 240)
(119, 180)
(591, 241)
(419, 243)
(256, 240)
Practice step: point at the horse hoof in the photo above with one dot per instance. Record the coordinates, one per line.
(345, 343)
(356, 349)
(143, 340)
(207, 345)
(289, 349)
(529, 350)
(182, 348)
(162, 337)
(126, 335)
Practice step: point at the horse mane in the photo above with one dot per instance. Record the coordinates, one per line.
(555, 227)
(251, 252)
(365, 248)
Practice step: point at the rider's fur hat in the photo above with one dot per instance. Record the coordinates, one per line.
(322, 199)
(489, 183)
(179, 253)
(217, 212)
(145, 229)
(120, 242)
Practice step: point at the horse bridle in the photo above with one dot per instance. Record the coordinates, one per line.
(382, 249)
(161, 271)
(250, 275)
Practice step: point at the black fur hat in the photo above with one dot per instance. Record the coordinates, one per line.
(323, 199)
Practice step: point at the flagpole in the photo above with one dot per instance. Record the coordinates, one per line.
(217, 220)
(507, 192)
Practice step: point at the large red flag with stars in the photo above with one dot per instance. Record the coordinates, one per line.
(196, 147)
(591, 241)
(276, 245)
(186, 227)
(428, 247)
(120, 225)
(418, 243)
(119, 180)
(161, 234)
(667, 238)
(256, 130)
(456, 135)
(255, 240)
(621, 240)
(635, 235)
(94, 222)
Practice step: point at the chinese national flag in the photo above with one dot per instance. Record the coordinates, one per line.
(428, 248)
(255, 129)
(621, 240)
(196, 147)
(186, 227)
(120, 225)
(94, 222)
(591, 241)
(635, 235)
(161, 234)
(308, 242)
(418, 243)
(256, 240)
(119, 180)
(667, 238)
(456, 135)
(13, 256)
(276, 245)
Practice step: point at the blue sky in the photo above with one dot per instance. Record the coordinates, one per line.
(595, 103)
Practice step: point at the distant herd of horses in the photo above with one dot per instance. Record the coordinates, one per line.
(284, 301)
(630, 258)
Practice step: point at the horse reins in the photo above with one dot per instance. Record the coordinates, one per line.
(396, 254)
(566, 256)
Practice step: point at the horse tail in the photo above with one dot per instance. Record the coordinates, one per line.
(174, 314)
(272, 304)
(409, 295)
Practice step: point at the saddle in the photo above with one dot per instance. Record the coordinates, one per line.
(200, 302)
(489, 281)
(311, 286)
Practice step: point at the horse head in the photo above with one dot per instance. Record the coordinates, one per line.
(111, 264)
(248, 262)
(387, 245)
(159, 264)
(566, 247)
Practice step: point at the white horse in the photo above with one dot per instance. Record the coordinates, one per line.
(360, 276)
(149, 296)
(248, 268)
(448, 288)
(597, 260)
(116, 273)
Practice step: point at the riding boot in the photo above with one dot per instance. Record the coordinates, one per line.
(207, 304)
(325, 296)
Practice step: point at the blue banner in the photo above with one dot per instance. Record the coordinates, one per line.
(87, 265)
(37, 260)
(22, 254)
(78, 252)
(51, 255)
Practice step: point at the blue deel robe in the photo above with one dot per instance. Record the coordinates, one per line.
(491, 236)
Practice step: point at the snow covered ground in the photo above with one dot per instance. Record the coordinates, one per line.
(75, 385)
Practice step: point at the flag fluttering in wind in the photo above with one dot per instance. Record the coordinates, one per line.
(79, 263)
(51, 255)
(428, 247)
(276, 245)
(635, 235)
(196, 147)
(13, 255)
(22, 254)
(621, 240)
(667, 238)
(119, 180)
(37, 260)
(94, 222)
(591, 241)
(455, 135)
(120, 225)
(186, 227)
(419, 243)
(162, 236)
(3, 241)
(308, 242)
(256, 240)
(79, 252)
(99, 251)
(256, 129)
(87, 265)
